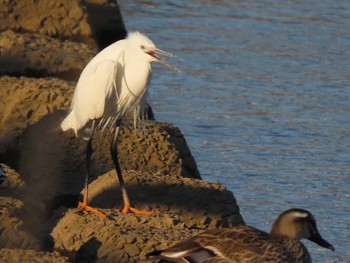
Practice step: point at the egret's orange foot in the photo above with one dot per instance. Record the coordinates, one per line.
(128, 209)
(85, 207)
(141, 212)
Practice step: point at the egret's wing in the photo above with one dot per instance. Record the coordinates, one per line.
(90, 93)
(93, 90)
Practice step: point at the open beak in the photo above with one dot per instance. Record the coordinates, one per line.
(157, 53)
(316, 238)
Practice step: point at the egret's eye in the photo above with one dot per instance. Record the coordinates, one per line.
(142, 47)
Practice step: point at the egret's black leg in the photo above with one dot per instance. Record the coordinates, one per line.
(84, 205)
(114, 154)
(87, 165)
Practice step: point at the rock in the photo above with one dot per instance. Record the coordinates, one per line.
(111, 238)
(36, 55)
(11, 183)
(30, 256)
(129, 237)
(13, 233)
(154, 150)
(26, 101)
(97, 23)
(171, 193)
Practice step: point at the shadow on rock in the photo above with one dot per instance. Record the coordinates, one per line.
(88, 251)
(107, 30)
(52, 163)
(199, 204)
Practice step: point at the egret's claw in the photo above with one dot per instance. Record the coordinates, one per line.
(84, 207)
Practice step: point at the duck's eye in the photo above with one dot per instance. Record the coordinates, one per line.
(142, 47)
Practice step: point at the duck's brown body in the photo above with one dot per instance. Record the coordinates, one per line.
(246, 244)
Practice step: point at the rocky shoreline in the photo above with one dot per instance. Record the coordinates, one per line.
(42, 169)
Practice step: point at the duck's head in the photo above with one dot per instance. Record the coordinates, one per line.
(298, 224)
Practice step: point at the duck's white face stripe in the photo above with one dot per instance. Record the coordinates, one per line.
(178, 254)
(216, 251)
(300, 214)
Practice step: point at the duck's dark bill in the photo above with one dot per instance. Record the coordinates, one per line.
(321, 242)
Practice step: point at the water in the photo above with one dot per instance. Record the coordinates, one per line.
(263, 103)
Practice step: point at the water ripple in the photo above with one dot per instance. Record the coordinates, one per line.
(264, 102)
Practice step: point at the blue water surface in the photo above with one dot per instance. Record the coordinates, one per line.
(264, 102)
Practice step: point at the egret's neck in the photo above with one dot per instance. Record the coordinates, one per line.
(137, 75)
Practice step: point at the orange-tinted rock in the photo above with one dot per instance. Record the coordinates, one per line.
(97, 23)
(35, 55)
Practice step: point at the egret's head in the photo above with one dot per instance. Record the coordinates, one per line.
(145, 48)
(299, 223)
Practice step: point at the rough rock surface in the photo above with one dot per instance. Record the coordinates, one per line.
(95, 22)
(134, 236)
(27, 100)
(13, 234)
(30, 256)
(38, 55)
(41, 49)
(17, 244)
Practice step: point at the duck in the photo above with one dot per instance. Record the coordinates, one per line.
(243, 244)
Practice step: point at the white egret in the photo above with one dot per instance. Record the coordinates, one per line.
(113, 83)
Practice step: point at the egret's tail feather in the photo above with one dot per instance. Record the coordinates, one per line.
(68, 122)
